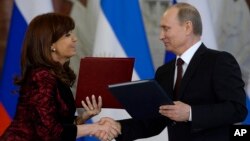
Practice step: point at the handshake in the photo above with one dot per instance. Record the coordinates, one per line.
(105, 129)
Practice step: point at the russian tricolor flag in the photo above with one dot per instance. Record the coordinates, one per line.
(23, 12)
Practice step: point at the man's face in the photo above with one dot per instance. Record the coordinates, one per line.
(172, 32)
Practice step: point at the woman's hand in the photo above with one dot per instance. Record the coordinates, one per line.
(92, 108)
(108, 130)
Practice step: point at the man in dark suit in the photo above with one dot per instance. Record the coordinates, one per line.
(211, 95)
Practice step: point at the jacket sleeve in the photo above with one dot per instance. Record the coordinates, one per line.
(135, 129)
(48, 125)
(228, 88)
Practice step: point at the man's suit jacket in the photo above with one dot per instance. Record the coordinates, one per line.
(212, 86)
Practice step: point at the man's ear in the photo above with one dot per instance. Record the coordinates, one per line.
(188, 27)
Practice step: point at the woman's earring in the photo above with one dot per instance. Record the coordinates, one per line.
(53, 49)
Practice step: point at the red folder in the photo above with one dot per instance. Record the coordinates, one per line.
(96, 73)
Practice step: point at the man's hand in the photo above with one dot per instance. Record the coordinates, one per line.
(178, 112)
(113, 129)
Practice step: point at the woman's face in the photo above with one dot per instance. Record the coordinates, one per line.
(64, 47)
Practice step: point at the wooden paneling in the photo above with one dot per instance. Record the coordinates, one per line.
(62, 6)
(248, 3)
(5, 14)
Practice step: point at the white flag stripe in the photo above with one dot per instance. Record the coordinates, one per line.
(107, 44)
(32, 8)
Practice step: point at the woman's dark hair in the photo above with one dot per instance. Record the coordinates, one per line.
(42, 32)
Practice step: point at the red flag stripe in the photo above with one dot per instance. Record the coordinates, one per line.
(4, 120)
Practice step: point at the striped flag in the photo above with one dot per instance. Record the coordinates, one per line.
(120, 33)
(23, 12)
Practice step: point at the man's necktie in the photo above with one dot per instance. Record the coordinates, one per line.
(179, 64)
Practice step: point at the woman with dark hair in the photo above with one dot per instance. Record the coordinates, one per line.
(46, 108)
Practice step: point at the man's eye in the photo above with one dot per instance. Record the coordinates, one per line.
(166, 29)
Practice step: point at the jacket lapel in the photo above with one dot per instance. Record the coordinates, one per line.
(194, 63)
(166, 75)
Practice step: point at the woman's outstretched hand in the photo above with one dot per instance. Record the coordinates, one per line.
(91, 108)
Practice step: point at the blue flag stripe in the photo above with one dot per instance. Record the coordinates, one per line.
(11, 65)
(169, 56)
(247, 120)
(126, 21)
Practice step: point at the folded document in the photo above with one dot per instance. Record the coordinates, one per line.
(142, 98)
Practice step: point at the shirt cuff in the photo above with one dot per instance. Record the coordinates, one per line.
(190, 115)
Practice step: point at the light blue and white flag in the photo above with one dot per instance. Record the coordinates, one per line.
(120, 33)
